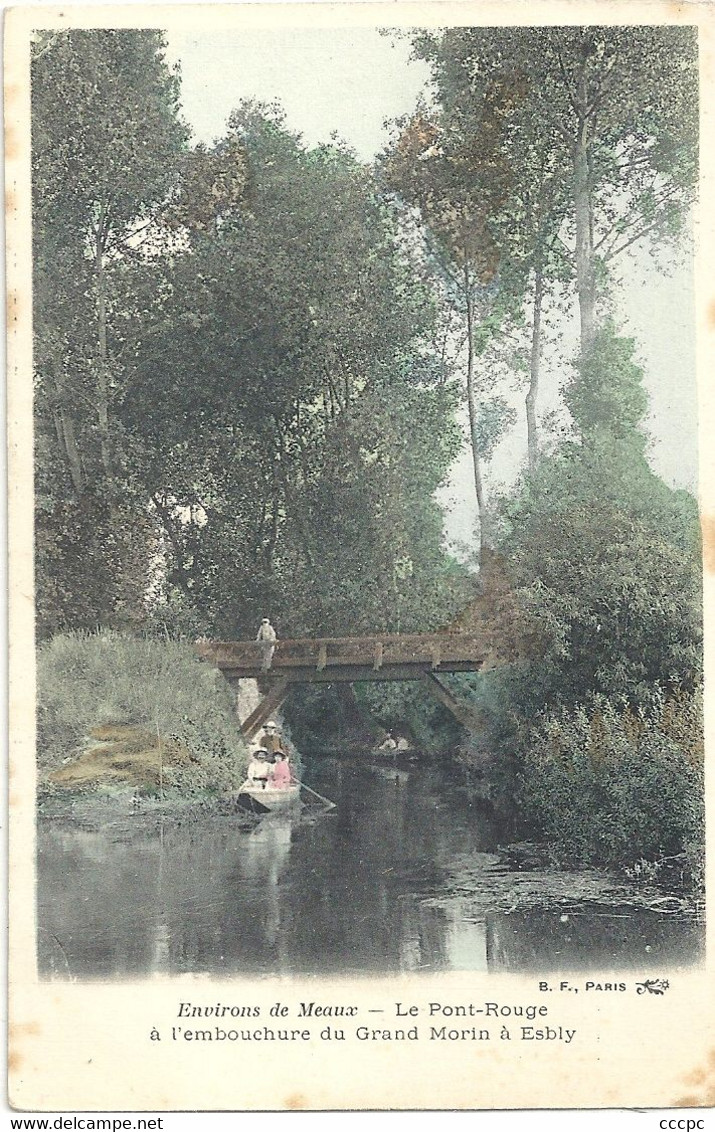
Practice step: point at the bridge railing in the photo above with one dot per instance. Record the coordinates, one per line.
(374, 651)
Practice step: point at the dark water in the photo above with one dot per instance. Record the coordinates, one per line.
(346, 893)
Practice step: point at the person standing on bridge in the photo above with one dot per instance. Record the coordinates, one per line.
(267, 639)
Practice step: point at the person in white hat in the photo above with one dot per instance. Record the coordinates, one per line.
(259, 768)
(271, 738)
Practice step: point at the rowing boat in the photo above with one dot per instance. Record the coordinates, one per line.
(267, 799)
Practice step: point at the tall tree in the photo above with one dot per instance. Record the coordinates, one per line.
(615, 106)
(106, 137)
(460, 183)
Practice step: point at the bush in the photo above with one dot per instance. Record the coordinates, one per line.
(607, 563)
(613, 787)
(86, 680)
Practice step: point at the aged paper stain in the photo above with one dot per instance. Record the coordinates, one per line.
(12, 148)
(707, 526)
(16, 1032)
(704, 1079)
(13, 307)
(296, 1101)
(18, 1029)
(14, 1061)
(697, 1077)
(12, 144)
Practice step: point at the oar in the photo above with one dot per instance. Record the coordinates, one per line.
(325, 801)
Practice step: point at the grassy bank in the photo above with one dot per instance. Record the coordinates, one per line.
(114, 710)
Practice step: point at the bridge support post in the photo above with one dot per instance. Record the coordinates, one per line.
(442, 694)
(268, 705)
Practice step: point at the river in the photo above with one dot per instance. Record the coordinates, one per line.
(401, 876)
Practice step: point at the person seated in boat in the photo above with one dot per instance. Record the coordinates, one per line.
(271, 738)
(280, 772)
(259, 768)
(388, 744)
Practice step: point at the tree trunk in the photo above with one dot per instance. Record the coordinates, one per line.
(484, 539)
(585, 265)
(72, 452)
(65, 425)
(167, 521)
(102, 352)
(291, 496)
(531, 422)
(270, 548)
(65, 431)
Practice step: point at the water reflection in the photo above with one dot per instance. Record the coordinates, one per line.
(346, 893)
(595, 940)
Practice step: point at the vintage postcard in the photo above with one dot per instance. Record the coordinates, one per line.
(360, 415)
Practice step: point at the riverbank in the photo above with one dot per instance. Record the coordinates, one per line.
(118, 811)
(122, 754)
(147, 715)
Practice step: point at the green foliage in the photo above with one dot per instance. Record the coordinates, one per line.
(607, 563)
(327, 717)
(594, 147)
(606, 557)
(496, 416)
(86, 680)
(291, 422)
(245, 406)
(628, 94)
(106, 140)
(454, 168)
(337, 717)
(92, 564)
(608, 396)
(614, 788)
(408, 707)
(236, 369)
(105, 115)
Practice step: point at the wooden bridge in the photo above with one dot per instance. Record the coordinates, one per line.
(490, 632)
(333, 660)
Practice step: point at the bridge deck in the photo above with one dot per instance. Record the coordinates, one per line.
(335, 659)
